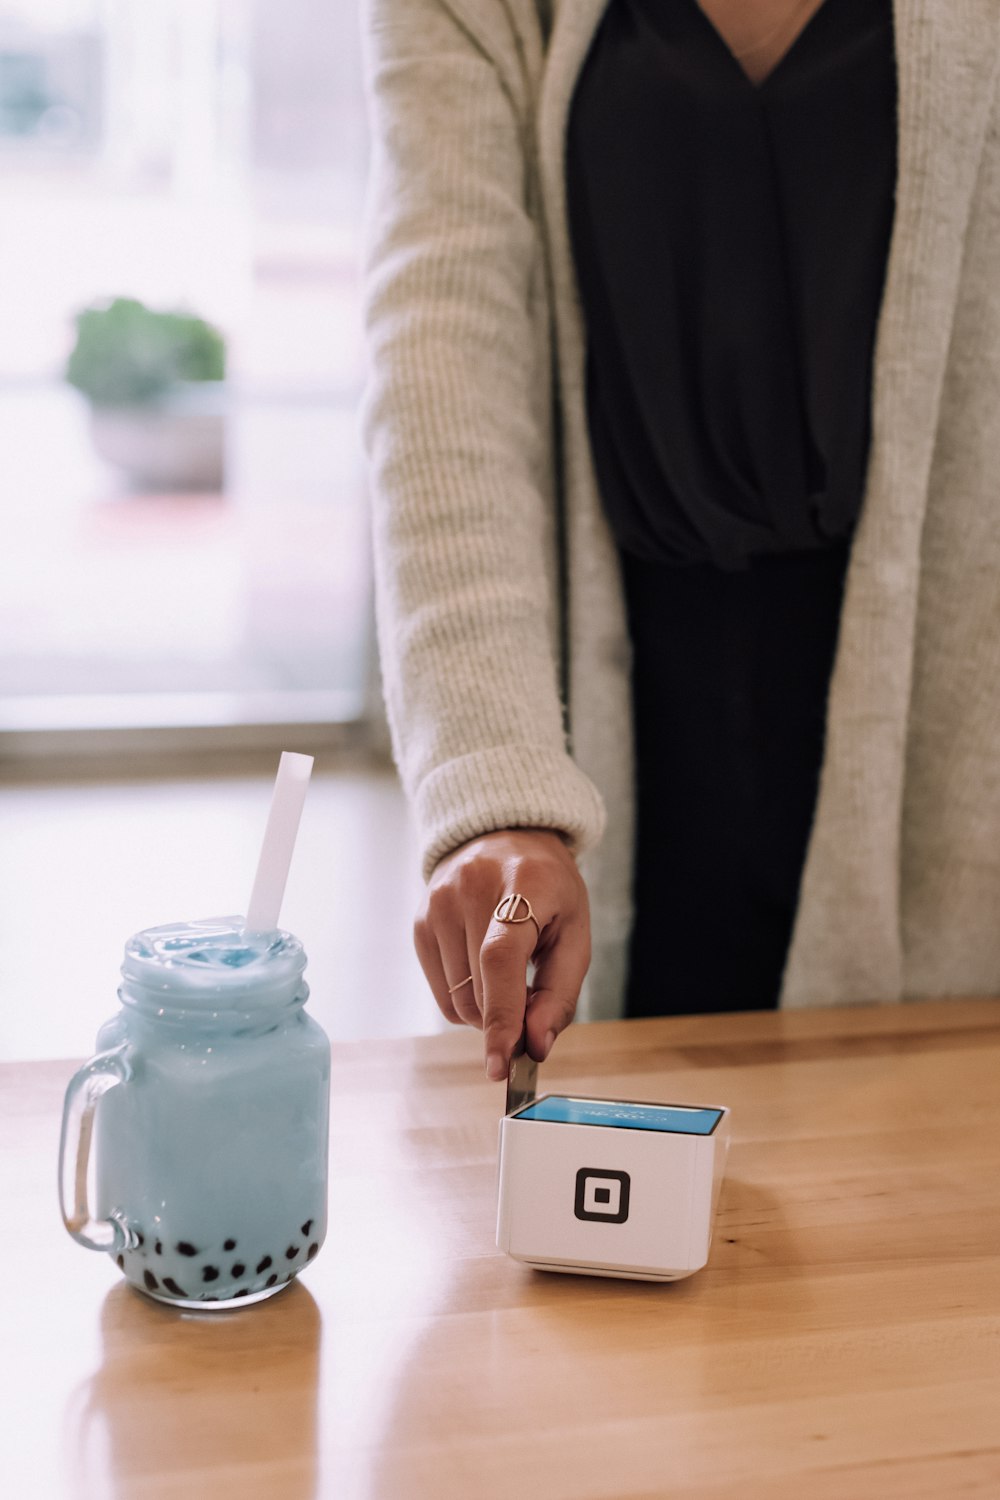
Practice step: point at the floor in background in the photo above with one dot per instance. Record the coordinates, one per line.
(83, 866)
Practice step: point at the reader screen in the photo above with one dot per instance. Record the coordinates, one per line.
(669, 1117)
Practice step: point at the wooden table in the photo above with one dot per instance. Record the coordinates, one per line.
(843, 1343)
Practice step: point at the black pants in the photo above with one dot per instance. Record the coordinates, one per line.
(731, 673)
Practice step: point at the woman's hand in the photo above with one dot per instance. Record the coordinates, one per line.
(456, 935)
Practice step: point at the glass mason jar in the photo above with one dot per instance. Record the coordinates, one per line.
(211, 1136)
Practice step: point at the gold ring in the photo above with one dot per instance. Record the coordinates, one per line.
(460, 984)
(508, 910)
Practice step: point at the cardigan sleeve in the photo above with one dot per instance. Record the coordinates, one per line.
(455, 443)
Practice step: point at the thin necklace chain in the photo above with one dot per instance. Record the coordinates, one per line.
(775, 31)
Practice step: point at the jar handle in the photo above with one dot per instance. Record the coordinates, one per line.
(103, 1072)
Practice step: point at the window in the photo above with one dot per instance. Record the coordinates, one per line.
(202, 557)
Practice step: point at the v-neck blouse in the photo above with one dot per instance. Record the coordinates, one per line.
(730, 242)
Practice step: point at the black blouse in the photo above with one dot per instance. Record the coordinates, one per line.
(730, 241)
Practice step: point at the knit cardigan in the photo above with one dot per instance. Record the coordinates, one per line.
(502, 631)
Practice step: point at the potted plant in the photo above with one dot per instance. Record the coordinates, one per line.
(155, 384)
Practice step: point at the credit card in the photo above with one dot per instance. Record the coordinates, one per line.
(522, 1077)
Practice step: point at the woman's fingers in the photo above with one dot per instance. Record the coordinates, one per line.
(429, 955)
(476, 924)
(455, 960)
(503, 960)
(439, 938)
(559, 973)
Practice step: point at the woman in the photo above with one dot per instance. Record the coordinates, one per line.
(587, 445)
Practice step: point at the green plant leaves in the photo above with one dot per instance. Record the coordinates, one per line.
(126, 354)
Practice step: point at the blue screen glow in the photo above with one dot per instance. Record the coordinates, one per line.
(675, 1118)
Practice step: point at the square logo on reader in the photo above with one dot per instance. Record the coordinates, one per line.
(602, 1194)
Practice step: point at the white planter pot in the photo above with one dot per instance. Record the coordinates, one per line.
(174, 443)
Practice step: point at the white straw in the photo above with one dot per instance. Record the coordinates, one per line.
(290, 787)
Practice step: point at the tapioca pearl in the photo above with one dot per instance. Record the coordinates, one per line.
(120, 1262)
(150, 1280)
(264, 1265)
(291, 1252)
(171, 1286)
(209, 1273)
(271, 1280)
(313, 1249)
(243, 1292)
(158, 1248)
(306, 1227)
(229, 1245)
(139, 1238)
(238, 1270)
(183, 1248)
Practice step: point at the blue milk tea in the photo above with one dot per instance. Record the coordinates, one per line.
(211, 1128)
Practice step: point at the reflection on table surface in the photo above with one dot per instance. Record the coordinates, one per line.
(180, 1395)
(841, 1342)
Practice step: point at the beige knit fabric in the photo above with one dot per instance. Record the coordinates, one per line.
(501, 621)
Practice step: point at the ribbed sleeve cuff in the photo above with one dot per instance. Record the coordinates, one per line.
(512, 786)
